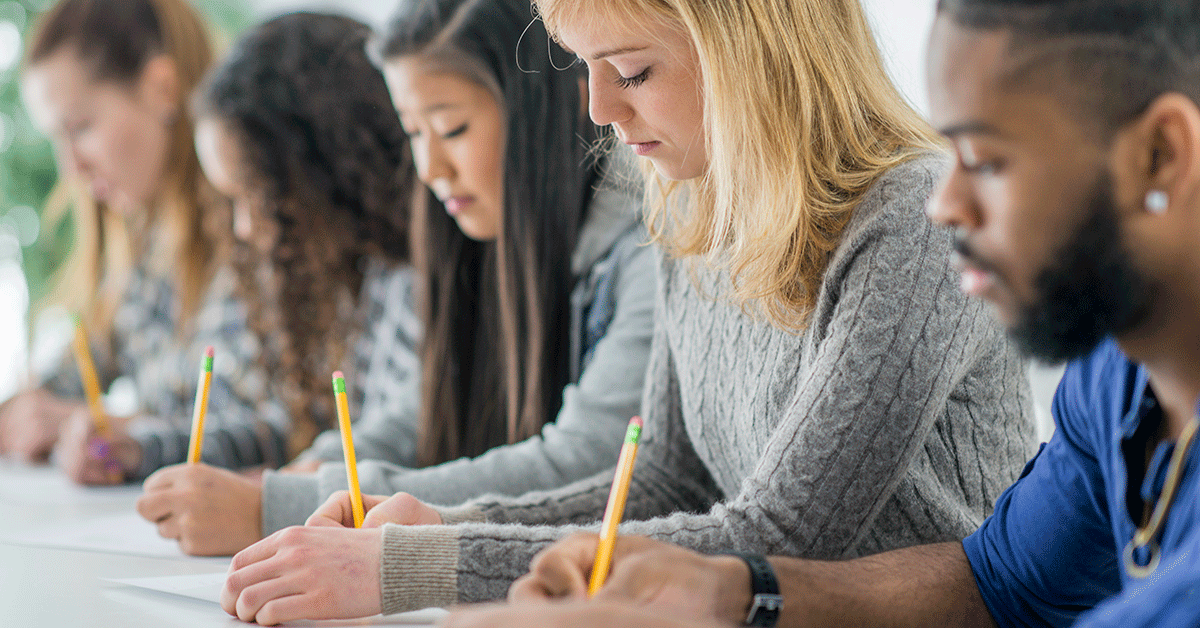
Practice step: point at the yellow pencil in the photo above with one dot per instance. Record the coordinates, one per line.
(343, 410)
(616, 506)
(91, 383)
(201, 407)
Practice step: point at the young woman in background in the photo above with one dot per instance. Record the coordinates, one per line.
(297, 130)
(108, 82)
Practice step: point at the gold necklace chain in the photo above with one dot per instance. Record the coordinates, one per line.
(1147, 536)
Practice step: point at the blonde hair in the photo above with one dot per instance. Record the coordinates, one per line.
(116, 40)
(800, 119)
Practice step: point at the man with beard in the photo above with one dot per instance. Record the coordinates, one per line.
(1075, 196)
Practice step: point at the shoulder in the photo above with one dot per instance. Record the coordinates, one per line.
(899, 196)
(889, 223)
(1096, 392)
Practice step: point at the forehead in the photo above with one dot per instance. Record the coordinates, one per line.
(416, 88)
(966, 72)
(56, 85)
(606, 33)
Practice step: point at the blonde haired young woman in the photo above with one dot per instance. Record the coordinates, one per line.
(108, 82)
(818, 385)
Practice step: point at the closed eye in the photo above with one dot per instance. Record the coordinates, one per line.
(453, 133)
(633, 81)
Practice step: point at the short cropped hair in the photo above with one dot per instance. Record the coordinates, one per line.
(1112, 58)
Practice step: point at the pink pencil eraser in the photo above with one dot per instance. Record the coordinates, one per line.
(208, 353)
(637, 420)
(338, 375)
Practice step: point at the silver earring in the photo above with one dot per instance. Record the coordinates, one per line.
(1157, 202)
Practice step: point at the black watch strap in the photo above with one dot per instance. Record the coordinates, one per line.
(767, 602)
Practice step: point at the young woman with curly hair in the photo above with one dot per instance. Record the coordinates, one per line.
(108, 81)
(297, 129)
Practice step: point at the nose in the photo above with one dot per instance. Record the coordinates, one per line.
(606, 104)
(953, 203)
(430, 158)
(70, 161)
(243, 220)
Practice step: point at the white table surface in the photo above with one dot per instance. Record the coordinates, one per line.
(41, 586)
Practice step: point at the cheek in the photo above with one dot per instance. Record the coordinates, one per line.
(137, 150)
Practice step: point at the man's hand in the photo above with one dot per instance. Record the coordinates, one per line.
(644, 572)
(401, 509)
(306, 573)
(210, 511)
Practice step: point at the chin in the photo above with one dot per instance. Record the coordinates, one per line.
(473, 230)
(674, 171)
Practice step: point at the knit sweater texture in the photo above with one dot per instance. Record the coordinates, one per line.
(897, 417)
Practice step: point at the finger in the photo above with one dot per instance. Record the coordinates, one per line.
(252, 598)
(528, 588)
(168, 528)
(288, 608)
(154, 506)
(401, 508)
(337, 511)
(563, 569)
(163, 478)
(258, 552)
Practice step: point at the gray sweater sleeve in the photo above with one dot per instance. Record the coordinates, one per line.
(899, 339)
(584, 439)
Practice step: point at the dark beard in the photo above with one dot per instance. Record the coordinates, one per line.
(1090, 291)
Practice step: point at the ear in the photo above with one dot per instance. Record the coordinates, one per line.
(1160, 152)
(159, 88)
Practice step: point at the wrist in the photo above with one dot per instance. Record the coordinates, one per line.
(735, 593)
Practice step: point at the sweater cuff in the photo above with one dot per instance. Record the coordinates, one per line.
(454, 515)
(287, 500)
(419, 568)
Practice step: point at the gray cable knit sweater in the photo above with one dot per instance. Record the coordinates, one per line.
(896, 418)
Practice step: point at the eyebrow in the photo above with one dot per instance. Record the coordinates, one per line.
(440, 107)
(617, 51)
(970, 128)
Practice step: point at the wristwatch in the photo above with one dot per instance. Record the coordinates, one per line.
(767, 602)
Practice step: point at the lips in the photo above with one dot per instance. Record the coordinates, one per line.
(644, 148)
(973, 281)
(456, 204)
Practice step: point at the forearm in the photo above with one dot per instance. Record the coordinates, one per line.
(929, 585)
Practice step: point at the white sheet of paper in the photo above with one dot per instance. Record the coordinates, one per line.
(125, 533)
(207, 587)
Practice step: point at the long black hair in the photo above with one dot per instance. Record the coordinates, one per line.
(495, 352)
(322, 145)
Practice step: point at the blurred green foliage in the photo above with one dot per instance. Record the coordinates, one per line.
(27, 171)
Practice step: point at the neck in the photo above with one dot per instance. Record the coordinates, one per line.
(1168, 345)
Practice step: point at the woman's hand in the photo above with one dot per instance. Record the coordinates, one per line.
(401, 509)
(89, 457)
(210, 511)
(30, 423)
(306, 573)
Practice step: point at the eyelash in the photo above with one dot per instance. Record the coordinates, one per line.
(453, 133)
(633, 81)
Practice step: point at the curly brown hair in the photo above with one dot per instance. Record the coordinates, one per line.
(329, 164)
